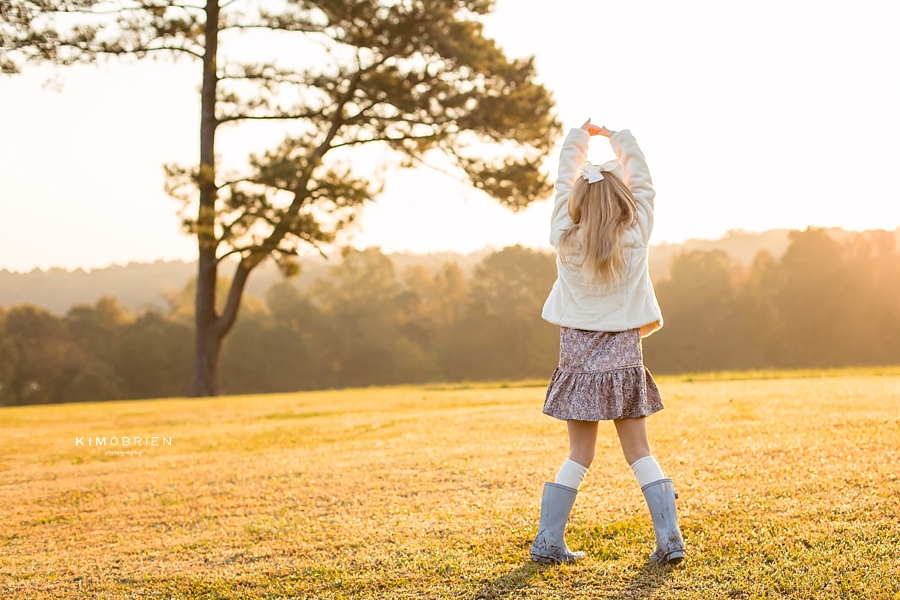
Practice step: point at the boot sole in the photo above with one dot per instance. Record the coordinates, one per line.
(552, 561)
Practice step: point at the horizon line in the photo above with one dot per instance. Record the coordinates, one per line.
(734, 232)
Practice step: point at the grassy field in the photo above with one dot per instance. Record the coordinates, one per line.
(788, 489)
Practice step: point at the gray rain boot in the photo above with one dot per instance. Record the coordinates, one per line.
(660, 496)
(550, 545)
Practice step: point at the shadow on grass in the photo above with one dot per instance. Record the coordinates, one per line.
(643, 584)
(507, 585)
(646, 582)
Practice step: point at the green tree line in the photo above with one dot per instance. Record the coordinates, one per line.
(824, 303)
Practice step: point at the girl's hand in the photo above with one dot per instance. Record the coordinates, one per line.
(605, 132)
(592, 129)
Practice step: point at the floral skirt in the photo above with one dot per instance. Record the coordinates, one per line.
(601, 376)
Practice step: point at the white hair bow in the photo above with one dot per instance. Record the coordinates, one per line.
(593, 173)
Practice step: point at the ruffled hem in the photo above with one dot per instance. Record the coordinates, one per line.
(627, 393)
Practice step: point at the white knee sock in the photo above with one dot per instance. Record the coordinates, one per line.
(571, 474)
(646, 470)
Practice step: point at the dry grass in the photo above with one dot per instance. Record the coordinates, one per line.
(789, 489)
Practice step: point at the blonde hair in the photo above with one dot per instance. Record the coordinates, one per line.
(602, 212)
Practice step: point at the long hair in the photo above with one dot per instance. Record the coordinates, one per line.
(602, 212)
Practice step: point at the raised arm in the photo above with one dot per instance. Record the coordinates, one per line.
(571, 157)
(636, 175)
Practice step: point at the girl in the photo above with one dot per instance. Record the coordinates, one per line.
(604, 302)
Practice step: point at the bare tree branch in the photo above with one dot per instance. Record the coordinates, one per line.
(274, 117)
(265, 78)
(125, 51)
(314, 243)
(158, 48)
(236, 181)
(382, 139)
(225, 321)
(126, 9)
(233, 251)
(293, 29)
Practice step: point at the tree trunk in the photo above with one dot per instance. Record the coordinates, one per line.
(208, 337)
(206, 363)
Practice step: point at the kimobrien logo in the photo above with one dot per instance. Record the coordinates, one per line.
(124, 441)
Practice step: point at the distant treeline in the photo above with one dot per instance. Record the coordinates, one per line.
(147, 286)
(822, 303)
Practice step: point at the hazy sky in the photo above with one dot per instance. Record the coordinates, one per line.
(752, 116)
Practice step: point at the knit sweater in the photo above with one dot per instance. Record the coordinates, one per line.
(582, 303)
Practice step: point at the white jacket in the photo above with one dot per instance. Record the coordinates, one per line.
(601, 306)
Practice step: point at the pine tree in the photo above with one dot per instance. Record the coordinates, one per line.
(417, 76)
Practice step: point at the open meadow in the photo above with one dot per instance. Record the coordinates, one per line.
(789, 487)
